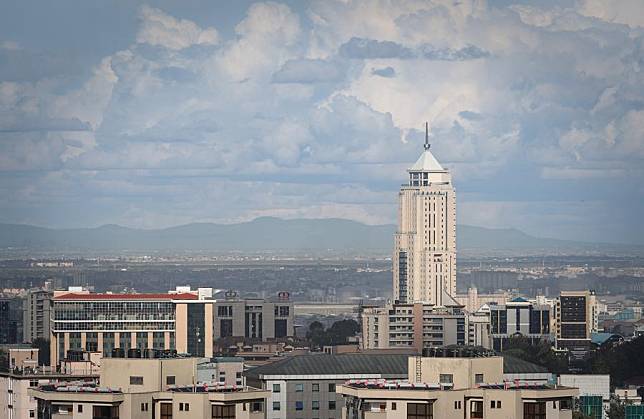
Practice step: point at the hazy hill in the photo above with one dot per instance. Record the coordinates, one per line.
(269, 233)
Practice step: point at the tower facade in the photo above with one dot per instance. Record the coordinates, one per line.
(424, 260)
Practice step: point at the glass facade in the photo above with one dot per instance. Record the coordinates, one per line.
(113, 315)
(197, 328)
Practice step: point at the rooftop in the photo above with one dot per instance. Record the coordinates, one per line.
(385, 365)
(426, 163)
(91, 297)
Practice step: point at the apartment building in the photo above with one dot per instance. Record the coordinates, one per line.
(36, 314)
(149, 388)
(183, 321)
(465, 386)
(416, 325)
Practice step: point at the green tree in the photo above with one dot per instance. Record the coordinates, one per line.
(616, 410)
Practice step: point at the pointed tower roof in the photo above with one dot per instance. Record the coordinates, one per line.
(426, 162)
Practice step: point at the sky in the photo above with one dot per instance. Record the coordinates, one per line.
(154, 114)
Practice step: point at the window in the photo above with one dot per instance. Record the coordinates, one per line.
(110, 412)
(276, 406)
(276, 388)
(457, 404)
(144, 407)
(80, 408)
(223, 412)
(315, 405)
(420, 411)
(478, 378)
(299, 388)
(299, 405)
(170, 380)
(238, 374)
(257, 406)
(181, 407)
(498, 404)
(331, 404)
(32, 414)
(331, 387)
(534, 410)
(185, 407)
(565, 404)
(225, 311)
(446, 379)
(315, 387)
(492, 404)
(476, 408)
(136, 381)
(393, 406)
(166, 411)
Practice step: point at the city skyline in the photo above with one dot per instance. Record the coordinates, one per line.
(153, 114)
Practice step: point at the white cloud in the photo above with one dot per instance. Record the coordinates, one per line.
(302, 102)
(628, 12)
(159, 28)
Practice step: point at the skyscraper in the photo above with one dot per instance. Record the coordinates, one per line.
(424, 260)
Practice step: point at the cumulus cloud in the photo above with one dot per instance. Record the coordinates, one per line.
(159, 28)
(317, 111)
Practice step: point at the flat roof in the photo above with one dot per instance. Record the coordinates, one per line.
(90, 297)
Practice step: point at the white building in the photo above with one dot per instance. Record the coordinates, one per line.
(424, 259)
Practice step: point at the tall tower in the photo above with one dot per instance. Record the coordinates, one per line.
(424, 260)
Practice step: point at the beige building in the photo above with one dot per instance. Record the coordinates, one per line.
(424, 259)
(149, 388)
(455, 388)
(473, 301)
(181, 321)
(15, 401)
(415, 326)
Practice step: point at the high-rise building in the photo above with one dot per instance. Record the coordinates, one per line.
(424, 259)
(576, 316)
(37, 314)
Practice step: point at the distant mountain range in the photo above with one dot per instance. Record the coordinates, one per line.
(274, 234)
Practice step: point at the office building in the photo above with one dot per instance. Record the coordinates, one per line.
(424, 259)
(37, 314)
(414, 326)
(183, 321)
(456, 386)
(576, 320)
(304, 386)
(149, 388)
(518, 317)
(10, 320)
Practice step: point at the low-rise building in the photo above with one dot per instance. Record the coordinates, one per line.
(304, 386)
(462, 387)
(519, 317)
(594, 392)
(182, 321)
(15, 401)
(144, 388)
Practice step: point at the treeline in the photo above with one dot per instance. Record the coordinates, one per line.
(620, 360)
(337, 334)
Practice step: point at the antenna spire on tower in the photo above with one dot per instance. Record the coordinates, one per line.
(427, 145)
